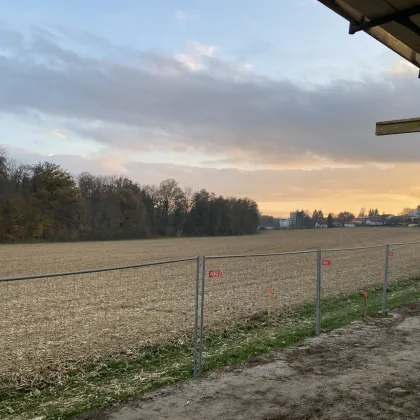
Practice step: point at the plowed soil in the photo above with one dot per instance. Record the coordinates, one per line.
(46, 258)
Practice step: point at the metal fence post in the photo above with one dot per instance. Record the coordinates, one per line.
(318, 291)
(202, 316)
(385, 289)
(197, 286)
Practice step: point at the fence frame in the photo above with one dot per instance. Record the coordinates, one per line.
(200, 283)
(318, 291)
(197, 288)
(123, 268)
(94, 270)
(203, 281)
(318, 280)
(385, 286)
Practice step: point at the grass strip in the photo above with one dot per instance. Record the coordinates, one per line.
(151, 367)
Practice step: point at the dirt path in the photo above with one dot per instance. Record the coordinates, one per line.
(369, 369)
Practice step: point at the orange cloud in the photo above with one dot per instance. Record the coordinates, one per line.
(55, 132)
(59, 134)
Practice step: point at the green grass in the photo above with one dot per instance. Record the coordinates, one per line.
(151, 367)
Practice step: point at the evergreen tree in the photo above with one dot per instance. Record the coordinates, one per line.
(330, 220)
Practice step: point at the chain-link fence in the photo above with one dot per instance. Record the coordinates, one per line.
(350, 282)
(52, 324)
(221, 308)
(251, 303)
(249, 299)
(403, 279)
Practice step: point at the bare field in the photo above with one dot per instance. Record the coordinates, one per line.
(45, 258)
(49, 326)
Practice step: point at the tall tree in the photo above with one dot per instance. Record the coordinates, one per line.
(330, 221)
(345, 217)
(55, 189)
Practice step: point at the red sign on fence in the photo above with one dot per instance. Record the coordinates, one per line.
(391, 253)
(326, 262)
(215, 273)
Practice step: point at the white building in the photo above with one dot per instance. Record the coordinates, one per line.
(375, 221)
(284, 223)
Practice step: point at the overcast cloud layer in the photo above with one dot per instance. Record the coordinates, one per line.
(200, 101)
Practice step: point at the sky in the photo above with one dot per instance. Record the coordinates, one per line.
(269, 99)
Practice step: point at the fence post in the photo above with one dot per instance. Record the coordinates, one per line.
(385, 289)
(318, 290)
(202, 316)
(197, 286)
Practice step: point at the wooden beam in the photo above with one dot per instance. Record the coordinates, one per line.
(386, 128)
(342, 8)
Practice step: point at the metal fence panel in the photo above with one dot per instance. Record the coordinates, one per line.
(352, 284)
(253, 299)
(51, 325)
(404, 262)
(403, 274)
(225, 306)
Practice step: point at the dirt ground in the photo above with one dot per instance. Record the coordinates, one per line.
(367, 370)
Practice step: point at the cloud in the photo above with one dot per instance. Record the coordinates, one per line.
(59, 134)
(194, 57)
(390, 188)
(201, 101)
(54, 132)
(114, 163)
(180, 16)
(402, 68)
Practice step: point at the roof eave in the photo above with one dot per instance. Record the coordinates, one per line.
(384, 37)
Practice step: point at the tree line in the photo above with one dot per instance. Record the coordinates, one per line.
(45, 202)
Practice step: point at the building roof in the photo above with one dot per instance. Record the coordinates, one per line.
(394, 23)
(376, 218)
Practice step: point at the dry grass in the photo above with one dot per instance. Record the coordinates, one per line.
(51, 326)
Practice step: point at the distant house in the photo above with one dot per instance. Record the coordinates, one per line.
(320, 225)
(415, 215)
(414, 218)
(375, 221)
(284, 223)
(395, 221)
(296, 220)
